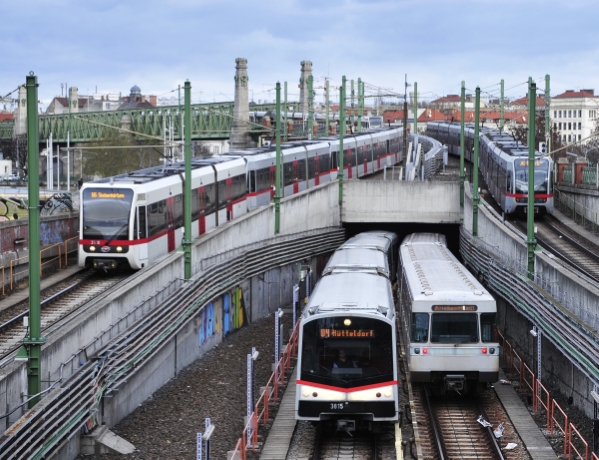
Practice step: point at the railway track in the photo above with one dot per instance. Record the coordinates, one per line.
(567, 245)
(449, 427)
(57, 303)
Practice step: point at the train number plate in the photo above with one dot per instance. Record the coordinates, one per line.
(337, 406)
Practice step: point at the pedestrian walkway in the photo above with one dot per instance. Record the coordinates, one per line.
(23, 294)
(535, 442)
(279, 437)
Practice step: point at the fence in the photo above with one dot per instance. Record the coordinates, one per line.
(575, 446)
(260, 413)
(14, 272)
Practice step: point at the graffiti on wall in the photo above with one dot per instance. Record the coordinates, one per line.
(225, 314)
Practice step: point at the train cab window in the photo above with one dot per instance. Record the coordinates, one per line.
(487, 326)
(454, 328)
(106, 213)
(347, 353)
(419, 327)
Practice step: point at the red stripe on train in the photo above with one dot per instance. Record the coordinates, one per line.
(347, 390)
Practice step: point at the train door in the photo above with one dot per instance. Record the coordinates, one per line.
(202, 213)
(170, 222)
(350, 163)
(295, 173)
(229, 197)
(316, 170)
(365, 158)
(378, 155)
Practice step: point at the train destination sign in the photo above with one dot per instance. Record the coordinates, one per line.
(525, 163)
(108, 195)
(454, 308)
(331, 333)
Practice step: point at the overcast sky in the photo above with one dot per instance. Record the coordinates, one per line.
(110, 45)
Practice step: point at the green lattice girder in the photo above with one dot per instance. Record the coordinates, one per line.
(209, 121)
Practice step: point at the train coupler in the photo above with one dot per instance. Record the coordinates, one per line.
(346, 425)
(455, 382)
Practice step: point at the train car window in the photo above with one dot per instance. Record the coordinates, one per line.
(156, 217)
(487, 326)
(419, 327)
(142, 230)
(106, 213)
(454, 328)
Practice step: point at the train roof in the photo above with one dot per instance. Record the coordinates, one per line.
(379, 238)
(352, 258)
(146, 175)
(354, 292)
(434, 274)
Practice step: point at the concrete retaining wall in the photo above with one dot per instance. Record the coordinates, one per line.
(582, 300)
(401, 201)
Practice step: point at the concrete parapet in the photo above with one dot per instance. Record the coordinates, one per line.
(103, 441)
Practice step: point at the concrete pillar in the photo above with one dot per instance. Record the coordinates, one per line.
(21, 112)
(74, 99)
(241, 111)
(306, 72)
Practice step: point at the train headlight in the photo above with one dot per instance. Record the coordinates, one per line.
(306, 392)
(492, 351)
(347, 322)
(484, 350)
(425, 351)
(119, 249)
(378, 395)
(315, 394)
(388, 392)
(417, 351)
(92, 248)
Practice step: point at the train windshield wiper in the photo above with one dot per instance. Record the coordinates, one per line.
(117, 233)
(466, 340)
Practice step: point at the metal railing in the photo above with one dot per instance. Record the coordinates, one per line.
(261, 413)
(15, 263)
(574, 442)
(68, 243)
(579, 213)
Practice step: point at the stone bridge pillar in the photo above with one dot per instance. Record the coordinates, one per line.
(306, 72)
(20, 123)
(241, 111)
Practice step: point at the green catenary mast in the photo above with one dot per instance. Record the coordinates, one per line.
(33, 341)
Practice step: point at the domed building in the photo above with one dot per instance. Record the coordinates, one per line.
(136, 100)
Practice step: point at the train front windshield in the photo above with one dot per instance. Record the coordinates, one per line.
(541, 175)
(346, 351)
(106, 213)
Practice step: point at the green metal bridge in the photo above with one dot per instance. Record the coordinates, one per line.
(209, 121)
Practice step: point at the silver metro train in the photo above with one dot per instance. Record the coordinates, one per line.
(347, 362)
(448, 318)
(503, 163)
(132, 219)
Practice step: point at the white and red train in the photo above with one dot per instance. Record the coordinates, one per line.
(503, 162)
(132, 219)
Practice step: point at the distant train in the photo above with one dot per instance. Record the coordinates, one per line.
(503, 162)
(132, 219)
(347, 364)
(448, 318)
